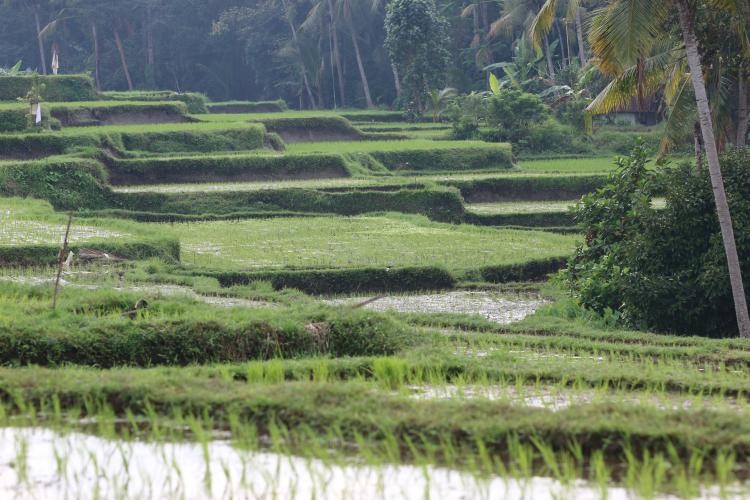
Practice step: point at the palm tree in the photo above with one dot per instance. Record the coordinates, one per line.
(320, 9)
(288, 13)
(519, 14)
(34, 6)
(346, 7)
(545, 18)
(623, 34)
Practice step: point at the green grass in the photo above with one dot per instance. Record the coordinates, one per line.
(374, 241)
(525, 207)
(388, 146)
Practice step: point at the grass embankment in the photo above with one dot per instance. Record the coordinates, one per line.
(160, 138)
(95, 328)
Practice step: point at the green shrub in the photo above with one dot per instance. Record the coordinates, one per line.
(573, 112)
(57, 88)
(36, 145)
(15, 120)
(513, 113)
(662, 269)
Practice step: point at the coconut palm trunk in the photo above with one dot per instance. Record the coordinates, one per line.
(97, 78)
(396, 80)
(742, 108)
(360, 65)
(40, 43)
(337, 53)
(579, 34)
(548, 54)
(712, 157)
(295, 40)
(123, 61)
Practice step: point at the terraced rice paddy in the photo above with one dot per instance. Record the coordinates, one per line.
(323, 242)
(256, 339)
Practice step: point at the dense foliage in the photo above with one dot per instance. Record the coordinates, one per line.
(417, 40)
(662, 269)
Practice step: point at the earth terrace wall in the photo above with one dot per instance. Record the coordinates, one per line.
(438, 204)
(313, 129)
(235, 168)
(386, 280)
(239, 107)
(520, 187)
(132, 249)
(476, 157)
(195, 101)
(73, 115)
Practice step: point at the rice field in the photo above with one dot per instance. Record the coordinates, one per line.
(381, 241)
(172, 376)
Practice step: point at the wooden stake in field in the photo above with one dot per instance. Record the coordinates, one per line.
(61, 260)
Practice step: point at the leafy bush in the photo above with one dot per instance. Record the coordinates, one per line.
(573, 112)
(514, 113)
(662, 269)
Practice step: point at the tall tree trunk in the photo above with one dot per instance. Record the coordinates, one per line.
(97, 78)
(362, 75)
(562, 45)
(396, 80)
(698, 144)
(150, 51)
(714, 169)
(742, 108)
(295, 39)
(548, 54)
(337, 53)
(42, 57)
(579, 34)
(123, 61)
